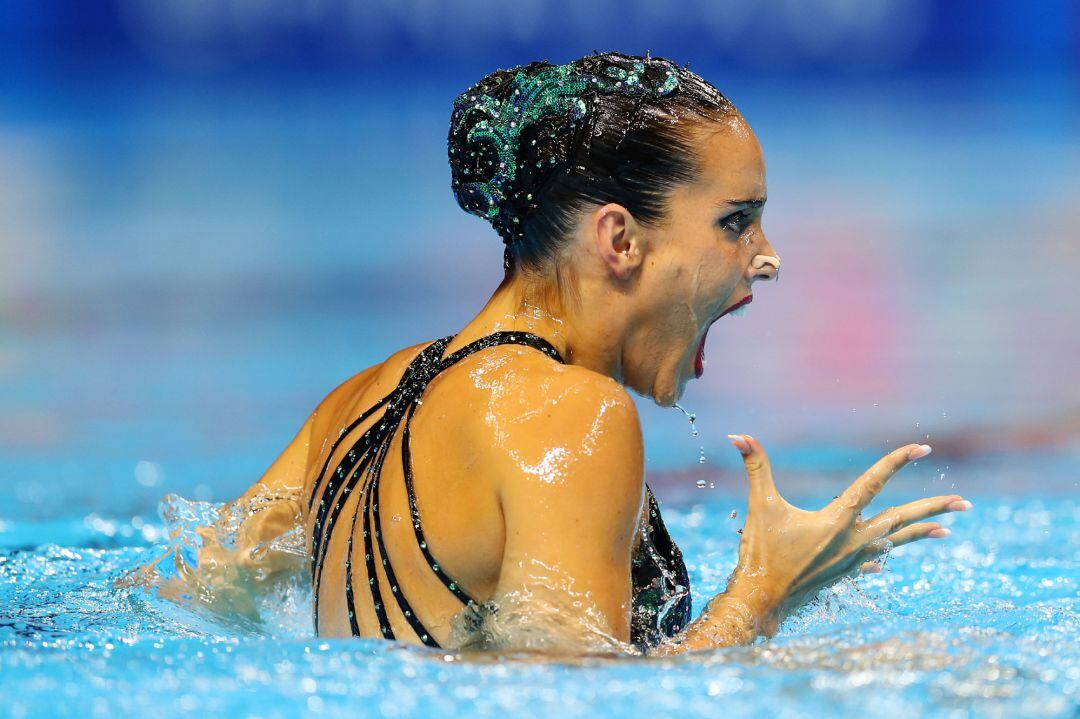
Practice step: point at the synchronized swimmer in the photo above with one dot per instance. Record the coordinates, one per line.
(486, 490)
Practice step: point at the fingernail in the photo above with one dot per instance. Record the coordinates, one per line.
(919, 451)
(939, 533)
(960, 505)
(740, 443)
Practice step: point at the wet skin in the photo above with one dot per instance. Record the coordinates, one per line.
(530, 474)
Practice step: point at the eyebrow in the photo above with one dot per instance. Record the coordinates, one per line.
(754, 202)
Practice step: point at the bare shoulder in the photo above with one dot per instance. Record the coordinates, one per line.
(561, 447)
(386, 372)
(364, 388)
(533, 418)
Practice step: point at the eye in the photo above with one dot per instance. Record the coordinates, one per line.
(735, 222)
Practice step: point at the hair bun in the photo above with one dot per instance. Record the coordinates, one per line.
(510, 132)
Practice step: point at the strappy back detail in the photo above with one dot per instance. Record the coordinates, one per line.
(661, 586)
(360, 469)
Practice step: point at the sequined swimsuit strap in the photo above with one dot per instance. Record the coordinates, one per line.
(356, 464)
(361, 467)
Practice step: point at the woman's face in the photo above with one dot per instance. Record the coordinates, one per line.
(701, 262)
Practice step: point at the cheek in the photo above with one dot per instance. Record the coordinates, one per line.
(688, 279)
(732, 275)
(726, 269)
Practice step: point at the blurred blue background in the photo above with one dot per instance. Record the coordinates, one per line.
(214, 211)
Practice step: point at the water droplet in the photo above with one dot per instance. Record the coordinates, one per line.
(734, 514)
(693, 429)
(701, 484)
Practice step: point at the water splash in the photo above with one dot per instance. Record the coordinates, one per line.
(218, 567)
(547, 612)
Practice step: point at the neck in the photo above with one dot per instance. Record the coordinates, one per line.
(584, 332)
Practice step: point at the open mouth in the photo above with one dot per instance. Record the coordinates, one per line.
(737, 309)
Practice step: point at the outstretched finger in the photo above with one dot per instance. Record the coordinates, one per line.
(866, 487)
(877, 550)
(871, 558)
(758, 469)
(895, 518)
(914, 532)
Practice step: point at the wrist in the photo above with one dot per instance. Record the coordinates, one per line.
(761, 600)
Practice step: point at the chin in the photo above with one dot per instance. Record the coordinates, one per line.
(666, 384)
(669, 390)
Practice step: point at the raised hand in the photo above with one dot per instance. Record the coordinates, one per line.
(788, 554)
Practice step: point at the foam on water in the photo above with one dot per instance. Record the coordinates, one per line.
(983, 622)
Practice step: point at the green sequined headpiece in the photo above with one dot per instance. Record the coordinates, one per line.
(543, 104)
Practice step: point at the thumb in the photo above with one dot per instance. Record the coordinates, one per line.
(758, 469)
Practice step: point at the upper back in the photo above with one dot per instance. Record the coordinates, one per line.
(504, 419)
(470, 410)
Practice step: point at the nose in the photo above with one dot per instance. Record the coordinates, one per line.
(765, 265)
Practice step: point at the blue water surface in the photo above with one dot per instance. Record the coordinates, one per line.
(983, 623)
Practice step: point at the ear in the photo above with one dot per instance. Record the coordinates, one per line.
(619, 241)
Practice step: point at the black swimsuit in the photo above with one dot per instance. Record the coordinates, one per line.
(661, 588)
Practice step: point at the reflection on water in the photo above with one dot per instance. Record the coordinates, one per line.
(986, 622)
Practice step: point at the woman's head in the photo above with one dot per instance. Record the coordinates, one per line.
(627, 179)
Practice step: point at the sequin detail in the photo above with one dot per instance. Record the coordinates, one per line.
(662, 604)
(556, 97)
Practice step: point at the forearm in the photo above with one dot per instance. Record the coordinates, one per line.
(739, 615)
(287, 474)
(236, 558)
(270, 509)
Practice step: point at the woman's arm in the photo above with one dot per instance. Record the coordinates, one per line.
(571, 492)
(787, 555)
(249, 528)
(275, 505)
(255, 540)
(565, 581)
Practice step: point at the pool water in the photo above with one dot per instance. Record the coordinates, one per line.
(194, 266)
(984, 623)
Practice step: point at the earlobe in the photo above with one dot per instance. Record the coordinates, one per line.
(618, 240)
